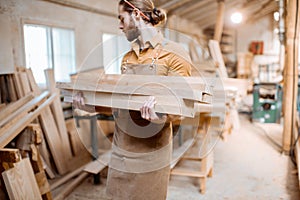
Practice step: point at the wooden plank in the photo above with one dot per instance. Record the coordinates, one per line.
(12, 122)
(26, 142)
(98, 70)
(17, 83)
(33, 85)
(61, 154)
(42, 182)
(66, 178)
(11, 88)
(10, 155)
(71, 186)
(197, 174)
(290, 86)
(98, 165)
(46, 164)
(81, 154)
(25, 108)
(220, 21)
(297, 149)
(183, 108)
(3, 89)
(215, 51)
(58, 114)
(8, 134)
(12, 107)
(76, 143)
(174, 82)
(20, 182)
(24, 83)
(155, 89)
(95, 167)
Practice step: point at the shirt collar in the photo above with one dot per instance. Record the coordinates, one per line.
(153, 42)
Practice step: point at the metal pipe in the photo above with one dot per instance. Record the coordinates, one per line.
(281, 21)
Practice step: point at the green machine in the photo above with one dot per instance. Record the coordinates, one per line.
(267, 102)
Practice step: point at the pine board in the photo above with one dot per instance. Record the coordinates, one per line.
(174, 82)
(20, 182)
(122, 101)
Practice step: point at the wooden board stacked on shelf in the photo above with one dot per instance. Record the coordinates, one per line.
(9, 91)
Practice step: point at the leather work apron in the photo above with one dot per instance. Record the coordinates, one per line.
(140, 164)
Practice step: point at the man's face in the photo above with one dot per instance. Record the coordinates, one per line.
(127, 25)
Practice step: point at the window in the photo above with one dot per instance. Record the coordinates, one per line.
(49, 47)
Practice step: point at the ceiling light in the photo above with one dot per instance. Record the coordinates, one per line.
(276, 16)
(236, 17)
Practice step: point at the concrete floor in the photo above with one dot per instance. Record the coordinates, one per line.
(247, 165)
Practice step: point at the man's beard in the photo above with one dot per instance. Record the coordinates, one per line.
(132, 32)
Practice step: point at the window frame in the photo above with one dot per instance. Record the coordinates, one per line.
(48, 24)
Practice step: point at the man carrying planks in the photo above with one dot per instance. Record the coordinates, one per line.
(142, 142)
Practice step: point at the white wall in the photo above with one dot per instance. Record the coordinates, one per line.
(6, 52)
(88, 28)
(260, 30)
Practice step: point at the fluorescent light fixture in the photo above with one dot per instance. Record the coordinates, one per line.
(236, 17)
(276, 16)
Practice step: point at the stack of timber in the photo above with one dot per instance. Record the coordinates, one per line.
(57, 152)
(182, 96)
(10, 89)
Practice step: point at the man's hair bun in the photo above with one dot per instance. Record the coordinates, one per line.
(158, 16)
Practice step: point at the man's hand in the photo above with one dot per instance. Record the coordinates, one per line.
(148, 112)
(78, 103)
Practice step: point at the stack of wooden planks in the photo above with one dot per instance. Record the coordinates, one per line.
(58, 147)
(183, 96)
(10, 88)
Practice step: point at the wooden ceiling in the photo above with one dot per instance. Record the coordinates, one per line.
(204, 12)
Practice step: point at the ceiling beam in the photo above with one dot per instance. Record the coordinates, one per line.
(81, 7)
(168, 4)
(213, 10)
(266, 12)
(201, 11)
(173, 4)
(208, 21)
(197, 8)
(180, 4)
(265, 9)
(194, 4)
(252, 6)
(220, 20)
